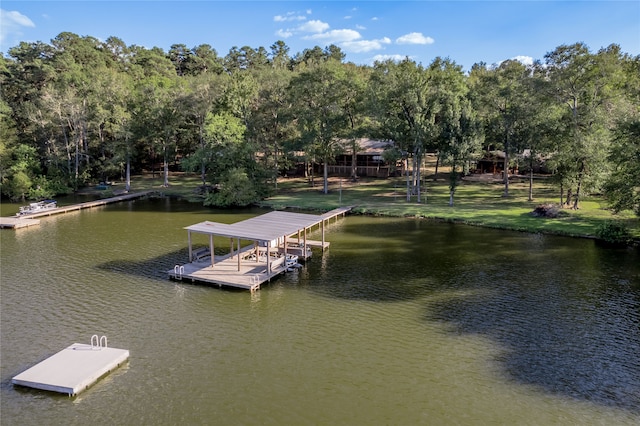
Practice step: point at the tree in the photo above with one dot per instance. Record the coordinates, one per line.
(280, 55)
(622, 188)
(500, 95)
(204, 93)
(268, 125)
(585, 85)
(406, 112)
(227, 157)
(460, 132)
(317, 94)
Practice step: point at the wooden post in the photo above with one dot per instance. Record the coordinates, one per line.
(285, 246)
(304, 247)
(323, 235)
(268, 258)
(211, 248)
(239, 255)
(190, 249)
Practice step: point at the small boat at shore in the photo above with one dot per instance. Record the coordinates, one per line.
(37, 207)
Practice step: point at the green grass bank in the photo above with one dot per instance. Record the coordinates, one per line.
(478, 202)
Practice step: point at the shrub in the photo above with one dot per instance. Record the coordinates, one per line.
(614, 232)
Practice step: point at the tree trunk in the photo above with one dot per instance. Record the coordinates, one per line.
(165, 166)
(354, 165)
(419, 175)
(568, 198)
(325, 176)
(506, 173)
(435, 176)
(579, 186)
(531, 185)
(127, 185)
(408, 182)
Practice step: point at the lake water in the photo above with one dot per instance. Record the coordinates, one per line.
(400, 321)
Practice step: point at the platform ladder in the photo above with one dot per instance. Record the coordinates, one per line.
(178, 272)
(98, 342)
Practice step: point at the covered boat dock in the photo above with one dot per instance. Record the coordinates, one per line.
(278, 241)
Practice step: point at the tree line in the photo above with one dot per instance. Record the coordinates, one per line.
(78, 111)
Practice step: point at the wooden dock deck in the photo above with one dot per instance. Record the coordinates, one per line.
(248, 274)
(74, 368)
(17, 222)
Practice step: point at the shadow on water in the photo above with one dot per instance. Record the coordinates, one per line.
(564, 312)
(156, 268)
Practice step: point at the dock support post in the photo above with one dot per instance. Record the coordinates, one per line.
(285, 247)
(268, 258)
(239, 255)
(211, 248)
(190, 248)
(323, 235)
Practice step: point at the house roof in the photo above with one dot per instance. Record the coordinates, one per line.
(372, 146)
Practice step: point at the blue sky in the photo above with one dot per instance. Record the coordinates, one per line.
(464, 31)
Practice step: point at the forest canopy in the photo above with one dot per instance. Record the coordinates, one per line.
(78, 111)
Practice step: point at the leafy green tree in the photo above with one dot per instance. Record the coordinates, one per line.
(204, 93)
(406, 111)
(235, 189)
(354, 105)
(460, 131)
(280, 55)
(317, 94)
(585, 84)
(159, 117)
(501, 97)
(268, 125)
(622, 188)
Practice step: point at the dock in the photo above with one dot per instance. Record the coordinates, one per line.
(278, 241)
(17, 222)
(74, 368)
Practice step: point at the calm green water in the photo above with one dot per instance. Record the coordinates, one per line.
(400, 322)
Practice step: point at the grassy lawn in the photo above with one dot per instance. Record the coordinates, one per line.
(477, 203)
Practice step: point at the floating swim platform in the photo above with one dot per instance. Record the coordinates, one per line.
(74, 368)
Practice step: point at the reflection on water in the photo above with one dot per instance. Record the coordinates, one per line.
(399, 322)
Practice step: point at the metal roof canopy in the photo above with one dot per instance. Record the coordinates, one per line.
(264, 228)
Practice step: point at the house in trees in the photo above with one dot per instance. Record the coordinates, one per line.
(493, 162)
(368, 157)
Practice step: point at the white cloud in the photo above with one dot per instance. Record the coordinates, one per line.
(526, 60)
(375, 18)
(360, 46)
(335, 36)
(414, 38)
(284, 33)
(290, 16)
(314, 26)
(360, 27)
(307, 27)
(11, 24)
(396, 58)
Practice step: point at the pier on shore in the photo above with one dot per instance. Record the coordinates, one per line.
(16, 222)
